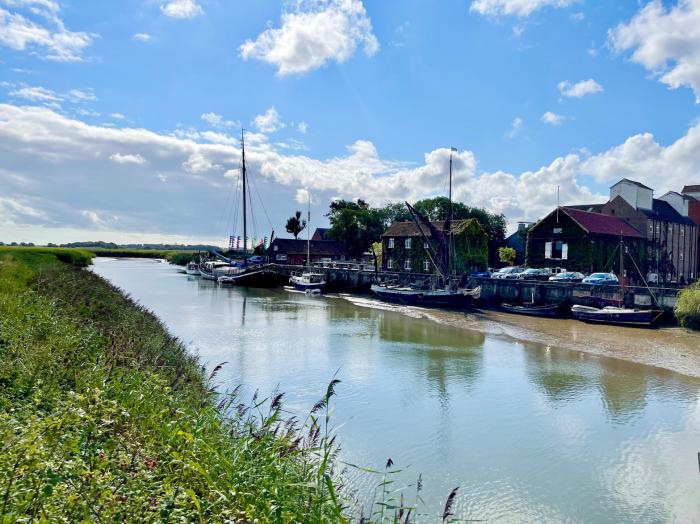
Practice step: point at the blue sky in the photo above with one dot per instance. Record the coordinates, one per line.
(120, 121)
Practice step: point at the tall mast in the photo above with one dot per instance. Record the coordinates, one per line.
(622, 271)
(308, 229)
(449, 224)
(245, 212)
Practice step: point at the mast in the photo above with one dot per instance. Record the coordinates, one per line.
(622, 272)
(308, 229)
(449, 222)
(245, 223)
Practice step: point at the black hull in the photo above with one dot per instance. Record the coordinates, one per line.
(261, 278)
(637, 318)
(533, 311)
(426, 299)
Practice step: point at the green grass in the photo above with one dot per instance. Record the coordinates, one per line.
(104, 416)
(83, 256)
(687, 308)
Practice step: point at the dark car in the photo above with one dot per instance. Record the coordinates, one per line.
(600, 279)
(534, 274)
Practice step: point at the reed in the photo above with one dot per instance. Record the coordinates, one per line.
(106, 417)
(687, 308)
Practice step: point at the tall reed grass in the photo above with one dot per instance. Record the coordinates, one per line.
(687, 308)
(106, 417)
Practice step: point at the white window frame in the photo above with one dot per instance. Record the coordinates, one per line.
(426, 265)
(275, 248)
(407, 264)
(281, 257)
(391, 243)
(548, 250)
(389, 264)
(565, 251)
(407, 243)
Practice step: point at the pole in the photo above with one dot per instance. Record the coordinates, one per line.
(622, 272)
(245, 223)
(449, 232)
(308, 229)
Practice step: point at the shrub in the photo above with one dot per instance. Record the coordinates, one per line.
(688, 307)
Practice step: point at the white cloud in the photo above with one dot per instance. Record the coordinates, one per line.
(579, 89)
(269, 121)
(302, 196)
(36, 94)
(42, 95)
(313, 34)
(303, 127)
(215, 120)
(127, 159)
(81, 95)
(117, 116)
(45, 155)
(35, 26)
(181, 8)
(520, 8)
(93, 217)
(664, 41)
(552, 118)
(142, 37)
(515, 127)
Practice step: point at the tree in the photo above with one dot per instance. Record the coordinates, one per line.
(356, 225)
(506, 255)
(295, 224)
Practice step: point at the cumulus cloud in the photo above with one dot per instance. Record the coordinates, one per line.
(664, 41)
(269, 121)
(181, 8)
(521, 8)
(127, 159)
(46, 155)
(49, 97)
(552, 119)
(579, 89)
(36, 26)
(314, 33)
(215, 120)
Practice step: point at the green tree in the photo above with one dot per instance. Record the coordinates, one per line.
(356, 225)
(506, 255)
(295, 224)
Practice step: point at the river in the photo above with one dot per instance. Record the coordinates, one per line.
(530, 432)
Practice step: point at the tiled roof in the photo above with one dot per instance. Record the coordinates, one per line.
(317, 247)
(320, 233)
(409, 229)
(691, 189)
(665, 212)
(601, 224)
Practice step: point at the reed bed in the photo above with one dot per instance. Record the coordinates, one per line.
(106, 417)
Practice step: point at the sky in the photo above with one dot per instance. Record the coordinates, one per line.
(121, 121)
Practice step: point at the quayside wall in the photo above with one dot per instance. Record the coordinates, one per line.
(358, 278)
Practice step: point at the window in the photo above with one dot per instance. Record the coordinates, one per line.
(556, 250)
(407, 265)
(426, 265)
(425, 245)
(281, 257)
(547, 250)
(275, 249)
(557, 230)
(391, 243)
(389, 263)
(658, 228)
(407, 243)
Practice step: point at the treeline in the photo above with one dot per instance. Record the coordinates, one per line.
(357, 225)
(160, 247)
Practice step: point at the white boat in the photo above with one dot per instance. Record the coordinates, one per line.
(214, 269)
(308, 281)
(192, 268)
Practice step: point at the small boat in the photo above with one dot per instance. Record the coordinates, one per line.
(192, 268)
(308, 281)
(411, 296)
(212, 270)
(532, 309)
(616, 315)
(252, 276)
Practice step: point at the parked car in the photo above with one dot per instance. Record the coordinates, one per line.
(508, 272)
(486, 273)
(533, 274)
(600, 279)
(569, 276)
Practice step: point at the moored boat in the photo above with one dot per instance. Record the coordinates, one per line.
(532, 309)
(411, 296)
(308, 281)
(616, 315)
(192, 268)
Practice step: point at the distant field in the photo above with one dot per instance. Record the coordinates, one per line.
(83, 256)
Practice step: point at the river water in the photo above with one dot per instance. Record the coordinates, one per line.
(529, 432)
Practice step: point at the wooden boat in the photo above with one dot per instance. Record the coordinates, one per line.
(532, 309)
(252, 276)
(442, 290)
(616, 315)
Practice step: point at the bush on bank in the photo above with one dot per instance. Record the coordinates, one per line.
(105, 417)
(688, 307)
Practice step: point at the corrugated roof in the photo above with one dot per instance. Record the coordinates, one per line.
(665, 212)
(291, 246)
(409, 229)
(601, 224)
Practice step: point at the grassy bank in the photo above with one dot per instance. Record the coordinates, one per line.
(688, 307)
(105, 417)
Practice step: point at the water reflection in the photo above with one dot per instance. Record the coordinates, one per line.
(531, 433)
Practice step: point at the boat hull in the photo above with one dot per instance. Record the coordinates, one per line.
(301, 286)
(415, 297)
(261, 278)
(534, 311)
(623, 317)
